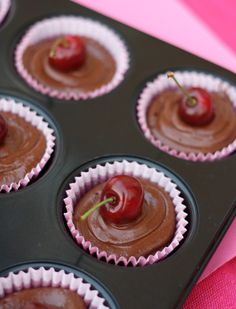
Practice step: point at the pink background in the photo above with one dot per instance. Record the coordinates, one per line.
(177, 22)
(219, 15)
(169, 20)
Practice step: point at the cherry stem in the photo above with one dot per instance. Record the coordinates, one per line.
(190, 100)
(91, 210)
(59, 41)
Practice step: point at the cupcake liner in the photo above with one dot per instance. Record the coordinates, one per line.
(4, 7)
(187, 79)
(100, 174)
(63, 25)
(41, 277)
(10, 105)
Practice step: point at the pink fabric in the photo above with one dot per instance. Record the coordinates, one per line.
(219, 15)
(217, 291)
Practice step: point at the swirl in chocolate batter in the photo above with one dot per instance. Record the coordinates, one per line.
(150, 232)
(21, 150)
(43, 298)
(97, 71)
(167, 126)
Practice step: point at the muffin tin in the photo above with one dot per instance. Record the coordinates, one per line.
(32, 226)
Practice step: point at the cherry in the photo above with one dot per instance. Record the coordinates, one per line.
(198, 111)
(3, 129)
(122, 198)
(196, 107)
(67, 53)
(127, 194)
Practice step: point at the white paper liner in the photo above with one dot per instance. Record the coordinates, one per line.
(63, 25)
(187, 79)
(10, 105)
(4, 7)
(41, 277)
(100, 174)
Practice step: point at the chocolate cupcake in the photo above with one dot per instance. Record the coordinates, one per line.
(162, 124)
(4, 8)
(48, 288)
(141, 238)
(27, 143)
(99, 65)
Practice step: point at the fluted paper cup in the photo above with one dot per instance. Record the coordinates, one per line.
(100, 174)
(187, 79)
(70, 25)
(4, 7)
(16, 107)
(41, 277)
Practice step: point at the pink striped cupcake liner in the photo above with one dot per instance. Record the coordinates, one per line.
(102, 173)
(10, 105)
(187, 79)
(57, 26)
(4, 8)
(41, 277)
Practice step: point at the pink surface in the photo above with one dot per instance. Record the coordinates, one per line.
(168, 20)
(217, 291)
(219, 15)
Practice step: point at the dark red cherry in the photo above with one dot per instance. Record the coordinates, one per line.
(3, 129)
(67, 53)
(127, 194)
(197, 109)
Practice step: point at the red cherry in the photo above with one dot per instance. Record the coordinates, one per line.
(67, 53)
(127, 194)
(197, 109)
(3, 129)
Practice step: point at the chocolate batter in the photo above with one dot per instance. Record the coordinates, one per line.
(43, 298)
(97, 71)
(150, 232)
(21, 150)
(165, 124)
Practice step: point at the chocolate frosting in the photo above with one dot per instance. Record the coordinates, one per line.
(150, 232)
(166, 125)
(43, 298)
(97, 71)
(21, 150)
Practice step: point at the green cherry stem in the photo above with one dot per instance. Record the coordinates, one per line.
(59, 41)
(91, 210)
(191, 101)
